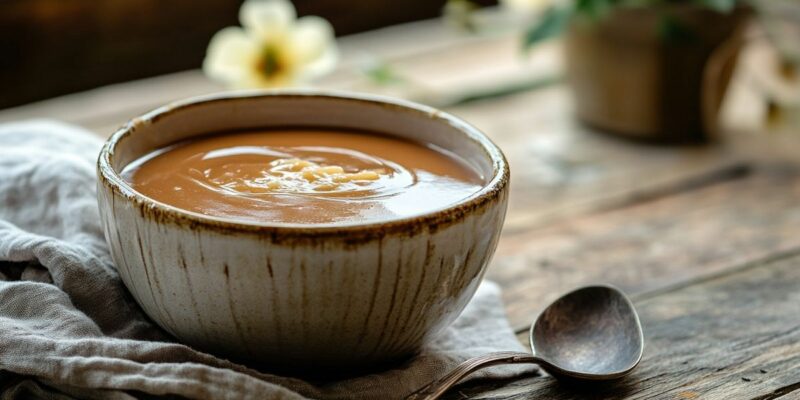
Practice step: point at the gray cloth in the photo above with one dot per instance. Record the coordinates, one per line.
(69, 328)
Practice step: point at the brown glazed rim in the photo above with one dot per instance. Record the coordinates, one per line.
(432, 220)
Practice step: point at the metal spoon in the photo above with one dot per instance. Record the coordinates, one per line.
(592, 333)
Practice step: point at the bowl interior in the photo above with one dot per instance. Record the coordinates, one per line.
(246, 111)
(173, 123)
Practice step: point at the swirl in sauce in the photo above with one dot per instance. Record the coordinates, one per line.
(306, 176)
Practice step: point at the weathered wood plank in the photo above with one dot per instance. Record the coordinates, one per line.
(557, 164)
(734, 336)
(654, 244)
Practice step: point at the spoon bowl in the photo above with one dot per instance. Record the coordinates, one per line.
(590, 333)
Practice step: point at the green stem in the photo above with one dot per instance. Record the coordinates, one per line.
(509, 89)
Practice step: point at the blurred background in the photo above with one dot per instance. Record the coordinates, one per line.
(663, 71)
(54, 47)
(654, 53)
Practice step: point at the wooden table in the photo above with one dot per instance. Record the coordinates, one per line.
(705, 239)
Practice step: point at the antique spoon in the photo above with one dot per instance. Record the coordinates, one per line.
(592, 333)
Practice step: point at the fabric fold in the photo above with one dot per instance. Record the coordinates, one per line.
(70, 329)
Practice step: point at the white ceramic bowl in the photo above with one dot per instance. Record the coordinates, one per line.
(295, 295)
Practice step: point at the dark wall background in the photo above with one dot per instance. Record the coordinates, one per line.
(54, 47)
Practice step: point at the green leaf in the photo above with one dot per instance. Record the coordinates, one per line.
(551, 24)
(594, 8)
(381, 73)
(723, 6)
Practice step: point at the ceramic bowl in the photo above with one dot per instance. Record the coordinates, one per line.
(343, 295)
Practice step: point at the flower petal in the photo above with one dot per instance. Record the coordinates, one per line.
(267, 18)
(527, 6)
(231, 54)
(311, 38)
(322, 65)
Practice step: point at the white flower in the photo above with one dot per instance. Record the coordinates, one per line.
(528, 6)
(274, 47)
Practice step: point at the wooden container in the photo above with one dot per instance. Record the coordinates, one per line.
(656, 73)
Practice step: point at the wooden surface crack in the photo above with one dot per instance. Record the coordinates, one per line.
(737, 269)
(647, 193)
(779, 393)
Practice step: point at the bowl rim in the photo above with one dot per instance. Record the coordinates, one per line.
(111, 178)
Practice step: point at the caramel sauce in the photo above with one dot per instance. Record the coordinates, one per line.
(304, 176)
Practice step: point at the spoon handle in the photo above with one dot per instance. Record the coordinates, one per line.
(438, 387)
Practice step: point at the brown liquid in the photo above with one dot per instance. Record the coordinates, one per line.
(293, 176)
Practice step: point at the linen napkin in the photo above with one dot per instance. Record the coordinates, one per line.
(69, 328)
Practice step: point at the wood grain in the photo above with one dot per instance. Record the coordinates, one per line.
(732, 336)
(560, 167)
(655, 243)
